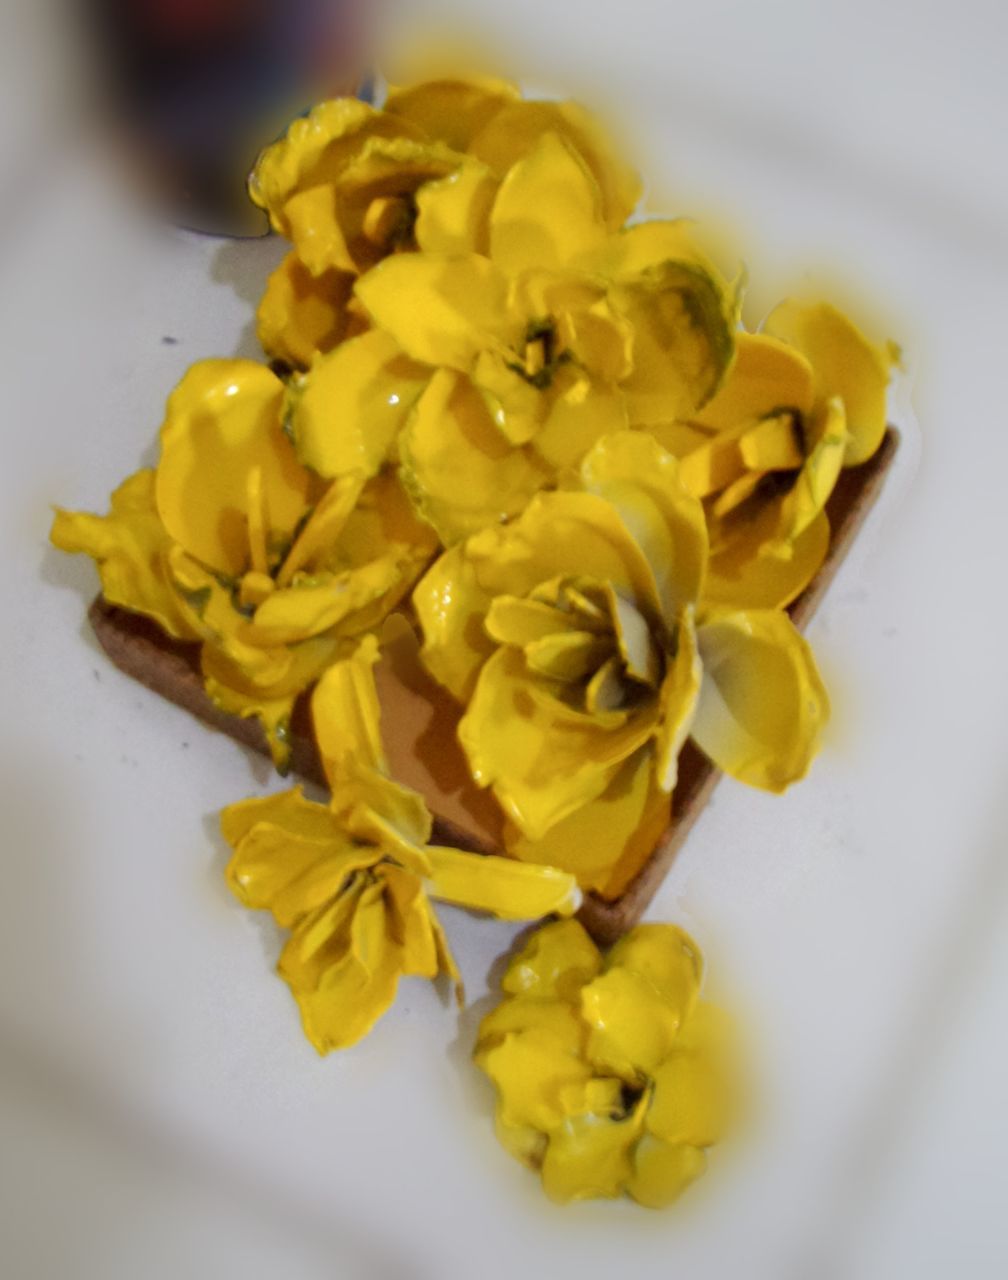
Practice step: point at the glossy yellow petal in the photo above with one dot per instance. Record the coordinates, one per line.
(688, 1104)
(316, 603)
(346, 713)
(453, 212)
(772, 444)
(380, 812)
(301, 314)
(762, 702)
(273, 711)
(768, 376)
(542, 758)
(607, 841)
(679, 695)
(353, 404)
(556, 961)
(739, 574)
(512, 132)
(450, 604)
(548, 210)
(521, 621)
(506, 889)
(322, 939)
(223, 419)
(536, 1012)
(452, 110)
(314, 151)
(845, 365)
(460, 471)
(641, 481)
(667, 957)
(410, 921)
(588, 1157)
(662, 1173)
(581, 414)
(321, 529)
(684, 324)
(441, 309)
(288, 809)
(632, 1027)
(313, 224)
(516, 406)
(647, 244)
(532, 1070)
(129, 545)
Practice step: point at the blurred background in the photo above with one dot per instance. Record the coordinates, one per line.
(160, 1114)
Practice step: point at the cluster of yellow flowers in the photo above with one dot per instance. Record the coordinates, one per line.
(496, 403)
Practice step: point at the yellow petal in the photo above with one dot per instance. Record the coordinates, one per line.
(667, 958)
(450, 604)
(291, 874)
(680, 692)
(548, 210)
(506, 889)
(461, 472)
(320, 533)
(588, 1157)
(607, 841)
(531, 1070)
(513, 131)
(313, 223)
(632, 1026)
(287, 809)
(768, 376)
(688, 1104)
(684, 323)
(818, 475)
(450, 110)
(314, 151)
(301, 314)
(316, 603)
(762, 702)
(581, 414)
(537, 1012)
(662, 1173)
(346, 714)
(641, 481)
(441, 309)
(845, 365)
(410, 921)
(739, 574)
(453, 213)
(647, 244)
(353, 405)
(223, 419)
(515, 405)
(542, 758)
(556, 961)
(129, 546)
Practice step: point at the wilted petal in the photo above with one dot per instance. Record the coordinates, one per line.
(762, 702)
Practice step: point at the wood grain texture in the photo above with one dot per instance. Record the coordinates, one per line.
(419, 720)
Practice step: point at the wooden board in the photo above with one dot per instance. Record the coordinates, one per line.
(419, 720)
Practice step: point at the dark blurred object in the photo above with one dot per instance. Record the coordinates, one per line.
(198, 87)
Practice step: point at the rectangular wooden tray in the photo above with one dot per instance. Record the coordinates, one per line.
(419, 722)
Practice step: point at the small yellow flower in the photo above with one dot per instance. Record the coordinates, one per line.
(353, 880)
(572, 636)
(535, 350)
(805, 398)
(234, 542)
(611, 1076)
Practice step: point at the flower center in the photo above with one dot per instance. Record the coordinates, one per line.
(390, 221)
(541, 355)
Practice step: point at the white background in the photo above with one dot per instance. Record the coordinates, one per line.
(160, 1113)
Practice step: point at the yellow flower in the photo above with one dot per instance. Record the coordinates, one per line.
(611, 1076)
(232, 541)
(572, 635)
(805, 398)
(535, 350)
(353, 880)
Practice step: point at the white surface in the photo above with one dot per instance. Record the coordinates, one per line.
(837, 917)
